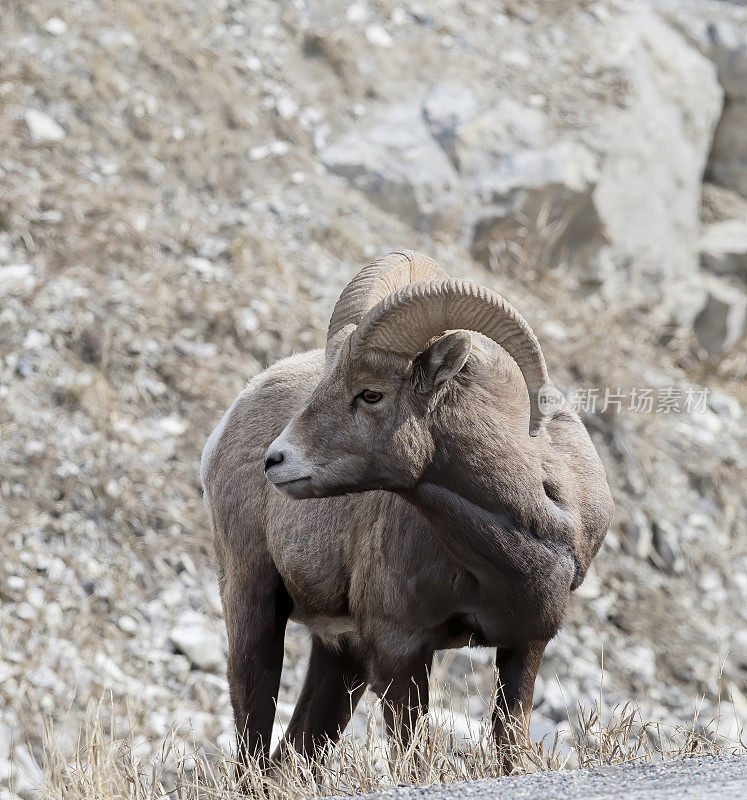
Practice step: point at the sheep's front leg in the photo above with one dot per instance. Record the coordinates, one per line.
(404, 692)
(256, 608)
(517, 672)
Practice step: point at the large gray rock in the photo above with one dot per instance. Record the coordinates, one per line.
(723, 248)
(511, 168)
(537, 206)
(400, 166)
(719, 30)
(531, 196)
(662, 131)
(565, 195)
(509, 178)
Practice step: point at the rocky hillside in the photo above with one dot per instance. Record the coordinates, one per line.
(186, 187)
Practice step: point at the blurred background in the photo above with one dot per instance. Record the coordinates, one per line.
(186, 187)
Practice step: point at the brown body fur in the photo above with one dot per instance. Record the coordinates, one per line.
(482, 544)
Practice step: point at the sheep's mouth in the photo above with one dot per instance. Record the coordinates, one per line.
(295, 487)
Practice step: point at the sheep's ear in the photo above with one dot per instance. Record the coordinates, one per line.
(441, 360)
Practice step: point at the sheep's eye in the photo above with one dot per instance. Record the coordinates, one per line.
(370, 396)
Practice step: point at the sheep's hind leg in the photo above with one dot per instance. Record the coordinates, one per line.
(335, 681)
(517, 672)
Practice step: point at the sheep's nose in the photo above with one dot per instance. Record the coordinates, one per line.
(273, 458)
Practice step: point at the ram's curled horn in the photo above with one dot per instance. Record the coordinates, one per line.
(376, 281)
(404, 322)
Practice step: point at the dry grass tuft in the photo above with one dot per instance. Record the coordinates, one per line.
(110, 766)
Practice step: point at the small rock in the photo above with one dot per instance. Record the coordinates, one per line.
(398, 16)
(723, 248)
(127, 624)
(25, 611)
(517, 58)
(602, 606)
(278, 148)
(724, 405)
(111, 38)
(262, 151)
(16, 279)
(42, 127)
(246, 321)
(199, 349)
(591, 588)
(638, 534)
(356, 12)
(36, 597)
(554, 330)
(378, 36)
(196, 637)
(286, 107)
(202, 266)
(23, 369)
(556, 703)
(666, 553)
(35, 340)
(721, 321)
(55, 26)
(172, 426)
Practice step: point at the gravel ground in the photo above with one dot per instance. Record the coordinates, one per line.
(699, 778)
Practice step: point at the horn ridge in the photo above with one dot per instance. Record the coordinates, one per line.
(404, 322)
(377, 280)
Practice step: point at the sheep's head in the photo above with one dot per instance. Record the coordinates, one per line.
(372, 422)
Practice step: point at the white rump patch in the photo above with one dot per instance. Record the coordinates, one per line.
(214, 438)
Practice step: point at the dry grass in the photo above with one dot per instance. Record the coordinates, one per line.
(108, 765)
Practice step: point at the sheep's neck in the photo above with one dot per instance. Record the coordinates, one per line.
(483, 541)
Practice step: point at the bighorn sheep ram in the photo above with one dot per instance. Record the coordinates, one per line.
(398, 493)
